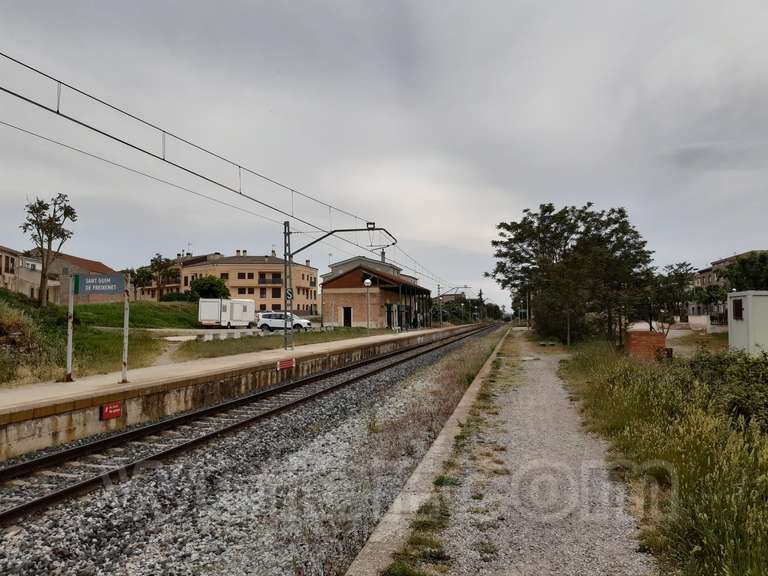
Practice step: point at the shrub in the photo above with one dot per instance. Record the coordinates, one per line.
(706, 421)
(177, 297)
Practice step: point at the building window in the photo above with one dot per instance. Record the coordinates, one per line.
(241, 275)
(250, 275)
(277, 276)
(738, 309)
(250, 290)
(275, 306)
(302, 276)
(262, 276)
(224, 275)
(262, 306)
(262, 292)
(186, 280)
(241, 290)
(275, 292)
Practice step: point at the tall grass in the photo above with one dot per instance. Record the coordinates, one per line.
(705, 420)
(39, 353)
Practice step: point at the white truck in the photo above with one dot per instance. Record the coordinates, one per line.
(228, 313)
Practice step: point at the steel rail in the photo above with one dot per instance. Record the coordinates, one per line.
(126, 471)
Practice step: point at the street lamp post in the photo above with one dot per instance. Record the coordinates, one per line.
(367, 284)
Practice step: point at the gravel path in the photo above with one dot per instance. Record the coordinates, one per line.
(296, 494)
(536, 497)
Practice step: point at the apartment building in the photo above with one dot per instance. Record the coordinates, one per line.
(259, 278)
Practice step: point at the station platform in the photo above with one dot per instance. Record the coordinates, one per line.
(37, 416)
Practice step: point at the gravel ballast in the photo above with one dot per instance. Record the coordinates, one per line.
(298, 493)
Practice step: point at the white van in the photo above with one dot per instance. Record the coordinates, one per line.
(229, 313)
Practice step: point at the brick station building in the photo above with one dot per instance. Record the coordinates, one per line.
(396, 299)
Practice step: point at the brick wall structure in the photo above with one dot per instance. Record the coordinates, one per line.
(645, 345)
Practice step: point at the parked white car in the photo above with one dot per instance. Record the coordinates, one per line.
(269, 321)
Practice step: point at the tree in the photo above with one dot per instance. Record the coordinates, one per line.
(572, 264)
(673, 288)
(45, 223)
(209, 287)
(163, 271)
(140, 278)
(749, 272)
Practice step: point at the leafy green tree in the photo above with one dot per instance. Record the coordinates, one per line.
(749, 272)
(575, 263)
(163, 272)
(712, 295)
(140, 278)
(209, 287)
(46, 223)
(673, 288)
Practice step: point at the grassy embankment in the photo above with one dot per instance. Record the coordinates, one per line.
(142, 315)
(39, 354)
(215, 348)
(698, 429)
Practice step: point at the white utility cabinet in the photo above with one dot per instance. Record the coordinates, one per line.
(748, 321)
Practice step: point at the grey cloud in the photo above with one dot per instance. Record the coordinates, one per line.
(436, 118)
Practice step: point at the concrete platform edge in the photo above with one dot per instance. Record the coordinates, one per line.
(392, 530)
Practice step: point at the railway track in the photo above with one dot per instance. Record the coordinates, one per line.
(33, 485)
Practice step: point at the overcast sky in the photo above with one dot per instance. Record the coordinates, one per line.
(435, 119)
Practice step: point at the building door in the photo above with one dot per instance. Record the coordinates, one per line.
(389, 315)
(347, 317)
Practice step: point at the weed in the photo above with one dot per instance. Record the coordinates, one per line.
(445, 480)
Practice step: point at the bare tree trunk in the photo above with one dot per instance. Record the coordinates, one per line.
(41, 299)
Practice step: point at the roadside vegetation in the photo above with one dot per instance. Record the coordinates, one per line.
(33, 344)
(214, 348)
(698, 429)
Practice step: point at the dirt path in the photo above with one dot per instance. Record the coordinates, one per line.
(166, 356)
(535, 496)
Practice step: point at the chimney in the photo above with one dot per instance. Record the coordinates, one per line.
(307, 262)
(273, 252)
(245, 252)
(237, 252)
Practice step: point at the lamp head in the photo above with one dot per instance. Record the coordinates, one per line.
(367, 282)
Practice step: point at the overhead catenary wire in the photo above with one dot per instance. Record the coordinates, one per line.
(160, 180)
(163, 157)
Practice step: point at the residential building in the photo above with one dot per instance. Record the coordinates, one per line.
(21, 273)
(706, 277)
(259, 278)
(66, 265)
(9, 261)
(172, 284)
(393, 300)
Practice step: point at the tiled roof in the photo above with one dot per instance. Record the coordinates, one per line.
(244, 260)
(10, 250)
(91, 265)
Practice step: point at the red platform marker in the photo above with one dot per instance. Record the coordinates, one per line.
(286, 364)
(111, 410)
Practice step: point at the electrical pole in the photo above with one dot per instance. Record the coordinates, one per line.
(440, 305)
(287, 283)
